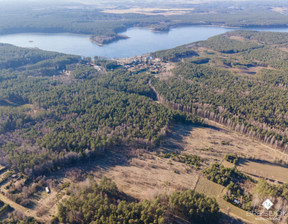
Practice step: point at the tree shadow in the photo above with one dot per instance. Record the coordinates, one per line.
(226, 219)
(243, 162)
(119, 156)
(263, 162)
(174, 140)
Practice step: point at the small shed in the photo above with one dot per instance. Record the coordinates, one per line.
(236, 201)
(47, 190)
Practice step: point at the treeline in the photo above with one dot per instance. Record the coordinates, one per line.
(103, 203)
(190, 160)
(174, 54)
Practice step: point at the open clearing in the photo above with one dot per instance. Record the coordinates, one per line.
(258, 168)
(148, 176)
(214, 142)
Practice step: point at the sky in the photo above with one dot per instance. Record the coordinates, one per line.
(101, 2)
(95, 1)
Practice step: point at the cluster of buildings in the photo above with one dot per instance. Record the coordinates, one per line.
(143, 63)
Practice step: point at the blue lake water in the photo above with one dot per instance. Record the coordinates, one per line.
(141, 41)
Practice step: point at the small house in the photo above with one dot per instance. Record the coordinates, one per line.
(47, 190)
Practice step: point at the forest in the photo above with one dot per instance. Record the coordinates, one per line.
(50, 118)
(223, 88)
(103, 203)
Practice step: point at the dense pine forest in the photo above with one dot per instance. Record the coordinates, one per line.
(57, 109)
(103, 203)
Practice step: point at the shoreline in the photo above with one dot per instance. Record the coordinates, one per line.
(102, 40)
(105, 40)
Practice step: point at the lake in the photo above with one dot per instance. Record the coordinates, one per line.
(141, 41)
